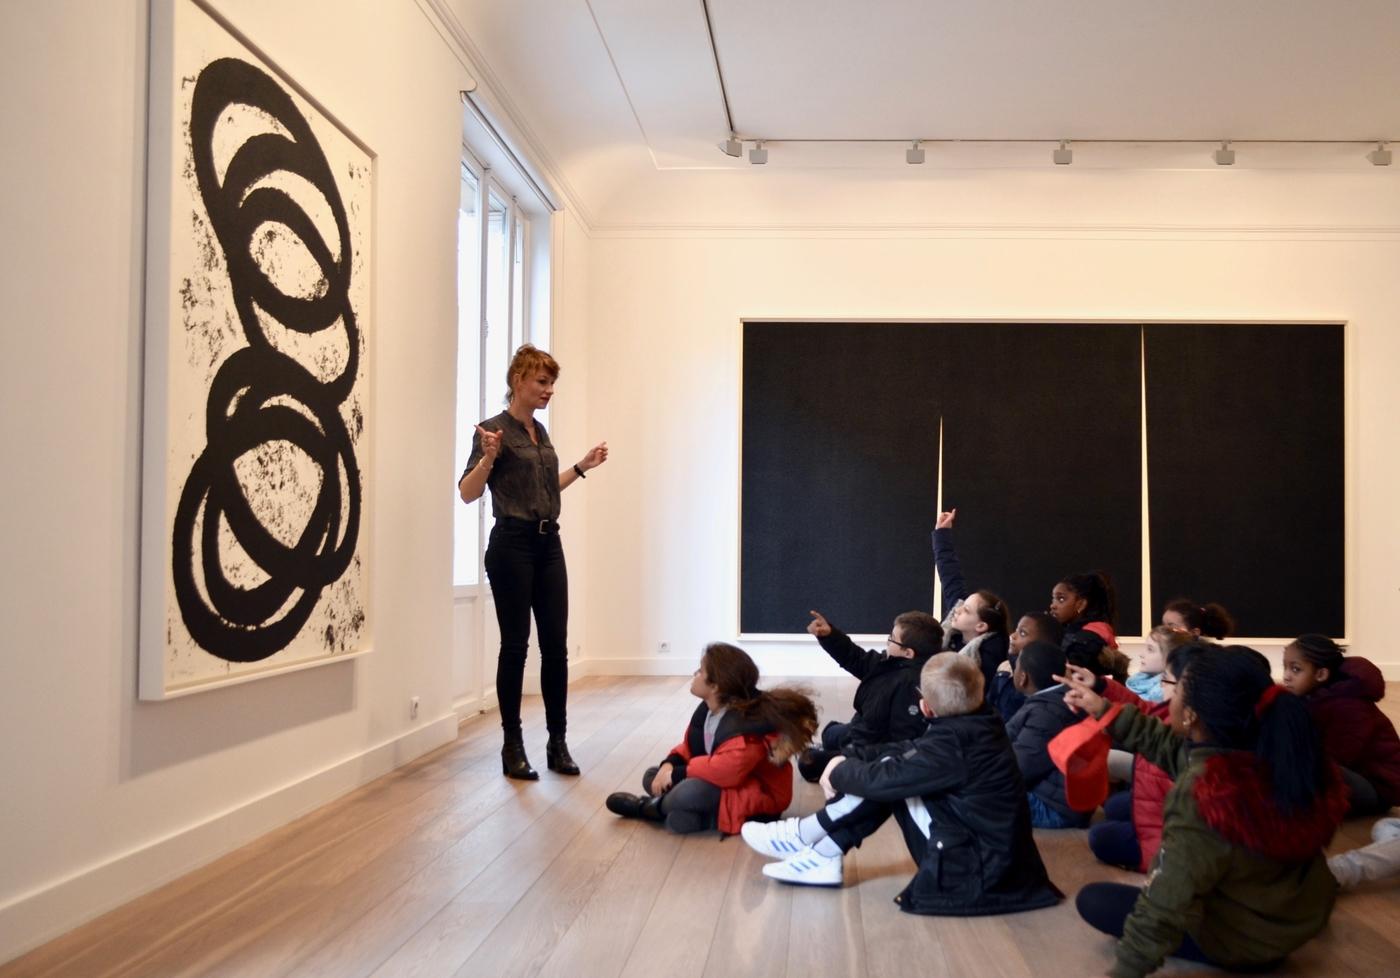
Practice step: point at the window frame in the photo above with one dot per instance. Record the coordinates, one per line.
(517, 223)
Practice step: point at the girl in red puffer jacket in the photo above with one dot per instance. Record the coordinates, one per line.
(733, 762)
(1341, 692)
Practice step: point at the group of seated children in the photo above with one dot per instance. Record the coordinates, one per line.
(1235, 785)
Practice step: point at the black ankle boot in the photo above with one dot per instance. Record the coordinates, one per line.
(514, 763)
(556, 756)
(635, 806)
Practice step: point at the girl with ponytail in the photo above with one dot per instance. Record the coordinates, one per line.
(1341, 692)
(1241, 879)
(732, 764)
(1086, 602)
(1201, 620)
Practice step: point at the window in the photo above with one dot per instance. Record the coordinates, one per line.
(497, 275)
(467, 523)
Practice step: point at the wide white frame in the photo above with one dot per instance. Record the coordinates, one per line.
(186, 36)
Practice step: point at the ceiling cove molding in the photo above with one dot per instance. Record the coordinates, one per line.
(493, 95)
(1156, 232)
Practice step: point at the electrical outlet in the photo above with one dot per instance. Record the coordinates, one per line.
(413, 708)
(664, 648)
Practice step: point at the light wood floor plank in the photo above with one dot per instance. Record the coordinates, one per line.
(455, 932)
(676, 937)
(605, 931)
(275, 925)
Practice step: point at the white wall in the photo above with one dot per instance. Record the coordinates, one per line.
(667, 299)
(104, 796)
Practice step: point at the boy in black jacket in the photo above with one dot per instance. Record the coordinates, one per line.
(957, 795)
(1042, 716)
(887, 699)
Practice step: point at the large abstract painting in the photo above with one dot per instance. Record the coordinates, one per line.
(257, 415)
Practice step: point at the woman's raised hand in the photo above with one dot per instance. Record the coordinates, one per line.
(490, 444)
(818, 626)
(945, 520)
(596, 456)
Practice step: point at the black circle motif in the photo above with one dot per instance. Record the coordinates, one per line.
(259, 394)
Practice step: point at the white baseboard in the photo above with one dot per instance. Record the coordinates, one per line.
(33, 918)
(471, 706)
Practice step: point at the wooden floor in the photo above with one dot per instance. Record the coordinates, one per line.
(445, 868)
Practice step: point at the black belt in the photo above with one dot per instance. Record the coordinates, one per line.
(541, 527)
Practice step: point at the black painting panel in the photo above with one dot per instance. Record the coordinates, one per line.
(840, 465)
(1042, 456)
(1245, 473)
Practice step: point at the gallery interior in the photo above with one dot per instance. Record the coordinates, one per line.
(638, 188)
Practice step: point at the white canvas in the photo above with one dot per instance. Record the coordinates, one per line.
(257, 413)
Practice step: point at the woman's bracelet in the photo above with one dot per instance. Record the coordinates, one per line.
(579, 471)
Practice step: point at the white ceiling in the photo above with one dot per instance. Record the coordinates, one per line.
(612, 88)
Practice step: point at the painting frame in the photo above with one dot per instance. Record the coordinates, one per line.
(258, 421)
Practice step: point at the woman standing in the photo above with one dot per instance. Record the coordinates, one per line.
(513, 455)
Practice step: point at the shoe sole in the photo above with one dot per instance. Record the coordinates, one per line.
(828, 886)
(833, 884)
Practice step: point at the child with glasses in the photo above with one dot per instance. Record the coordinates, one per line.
(887, 699)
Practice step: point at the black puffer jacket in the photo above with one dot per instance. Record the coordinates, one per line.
(887, 699)
(980, 857)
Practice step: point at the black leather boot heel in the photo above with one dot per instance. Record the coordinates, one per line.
(514, 763)
(556, 756)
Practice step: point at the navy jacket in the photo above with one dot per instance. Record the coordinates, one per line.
(1035, 724)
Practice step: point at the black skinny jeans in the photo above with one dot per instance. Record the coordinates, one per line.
(526, 570)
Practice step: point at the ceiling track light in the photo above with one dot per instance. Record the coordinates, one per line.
(732, 146)
(758, 155)
(1224, 156)
(1063, 156)
(1380, 156)
(914, 154)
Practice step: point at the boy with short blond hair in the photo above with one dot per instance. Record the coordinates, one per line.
(957, 795)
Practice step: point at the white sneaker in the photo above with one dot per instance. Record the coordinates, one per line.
(776, 840)
(1385, 830)
(807, 868)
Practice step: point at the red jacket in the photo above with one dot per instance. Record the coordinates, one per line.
(1150, 783)
(750, 784)
(1355, 733)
